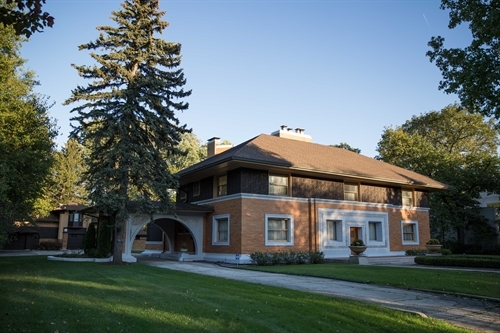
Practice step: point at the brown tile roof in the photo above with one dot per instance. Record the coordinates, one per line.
(298, 156)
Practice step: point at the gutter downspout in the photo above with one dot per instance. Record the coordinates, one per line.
(310, 226)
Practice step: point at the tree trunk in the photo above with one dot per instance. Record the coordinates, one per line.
(118, 242)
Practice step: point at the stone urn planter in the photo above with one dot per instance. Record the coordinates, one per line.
(358, 246)
(433, 247)
(358, 249)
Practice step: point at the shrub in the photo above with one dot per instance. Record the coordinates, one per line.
(416, 252)
(358, 242)
(459, 260)
(432, 241)
(422, 252)
(260, 258)
(316, 257)
(445, 252)
(90, 240)
(286, 258)
(103, 240)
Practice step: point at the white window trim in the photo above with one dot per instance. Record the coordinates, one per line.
(287, 184)
(290, 230)
(412, 198)
(416, 241)
(382, 225)
(329, 242)
(214, 229)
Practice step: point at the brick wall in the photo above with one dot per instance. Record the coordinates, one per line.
(247, 224)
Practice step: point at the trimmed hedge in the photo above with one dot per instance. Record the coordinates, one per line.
(422, 252)
(461, 261)
(286, 258)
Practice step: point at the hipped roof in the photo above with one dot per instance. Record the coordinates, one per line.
(298, 157)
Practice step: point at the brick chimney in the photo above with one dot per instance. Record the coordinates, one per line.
(214, 147)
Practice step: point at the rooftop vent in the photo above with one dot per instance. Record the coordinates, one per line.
(290, 133)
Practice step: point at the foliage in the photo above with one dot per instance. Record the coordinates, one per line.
(126, 115)
(25, 16)
(472, 72)
(432, 241)
(422, 252)
(26, 136)
(459, 260)
(346, 146)
(358, 242)
(67, 184)
(453, 281)
(90, 244)
(128, 298)
(193, 151)
(457, 148)
(286, 258)
(103, 239)
(50, 246)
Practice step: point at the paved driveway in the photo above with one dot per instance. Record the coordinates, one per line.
(479, 315)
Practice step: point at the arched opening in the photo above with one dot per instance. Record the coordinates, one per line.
(164, 235)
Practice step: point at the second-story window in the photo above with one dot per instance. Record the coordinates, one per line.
(75, 220)
(351, 192)
(278, 185)
(196, 189)
(222, 185)
(407, 198)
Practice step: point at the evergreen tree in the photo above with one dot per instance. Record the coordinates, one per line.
(26, 136)
(67, 175)
(89, 246)
(126, 116)
(103, 239)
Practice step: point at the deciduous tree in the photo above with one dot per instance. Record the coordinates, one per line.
(25, 16)
(472, 72)
(26, 136)
(345, 145)
(126, 116)
(455, 147)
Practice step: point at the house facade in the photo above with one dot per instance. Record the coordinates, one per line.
(281, 192)
(64, 226)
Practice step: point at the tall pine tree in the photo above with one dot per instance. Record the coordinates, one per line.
(126, 116)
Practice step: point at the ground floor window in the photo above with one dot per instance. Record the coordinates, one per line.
(375, 231)
(409, 232)
(220, 227)
(334, 230)
(279, 229)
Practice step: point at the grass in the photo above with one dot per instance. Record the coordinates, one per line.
(50, 296)
(453, 281)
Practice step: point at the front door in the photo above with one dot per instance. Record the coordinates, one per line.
(355, 234)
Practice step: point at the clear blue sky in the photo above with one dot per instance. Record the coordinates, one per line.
(343, 70)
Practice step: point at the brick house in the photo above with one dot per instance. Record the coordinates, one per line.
(282, 192)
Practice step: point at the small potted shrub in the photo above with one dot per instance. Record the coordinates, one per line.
(358, 246)
(433, 245)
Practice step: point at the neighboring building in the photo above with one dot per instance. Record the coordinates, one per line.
(282, 192)
(65, 225)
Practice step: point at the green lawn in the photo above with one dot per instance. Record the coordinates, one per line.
(453, 281)
(49, 296)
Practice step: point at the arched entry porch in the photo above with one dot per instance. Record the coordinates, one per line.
(185, 225)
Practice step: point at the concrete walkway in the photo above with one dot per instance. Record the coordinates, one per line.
(478, 315)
